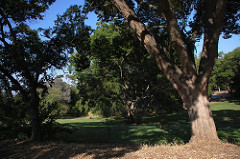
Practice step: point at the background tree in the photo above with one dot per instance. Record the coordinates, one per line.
(234, 57)
(97, 91)
(225, 73)
(71, 31)
(59, 96)
(117, 81)
(173, 18)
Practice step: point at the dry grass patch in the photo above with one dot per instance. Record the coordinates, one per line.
(53, 150)
(188, 151)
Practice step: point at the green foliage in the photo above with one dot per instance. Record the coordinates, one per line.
(226, 72)
(14, 117)
(59, 97)
(120, 73)
(79, 108)
(23, 10)
(96, 94)
(233, 59)
(72, 32)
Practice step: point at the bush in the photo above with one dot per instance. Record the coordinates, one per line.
(14, 118)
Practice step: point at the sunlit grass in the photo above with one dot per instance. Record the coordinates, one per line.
(80, 120)
(225, 106)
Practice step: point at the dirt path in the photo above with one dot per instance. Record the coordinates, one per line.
(53, 150)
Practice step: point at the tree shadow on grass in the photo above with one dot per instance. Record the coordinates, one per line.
(39, 150)
(228, 125)
(165, 128)
(236, 101)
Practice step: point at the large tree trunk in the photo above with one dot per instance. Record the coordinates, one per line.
(201, 119)
(36, 122)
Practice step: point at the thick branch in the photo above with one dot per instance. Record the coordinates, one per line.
(14, 81)
(176, 37)
(171, 70)
(213, 21)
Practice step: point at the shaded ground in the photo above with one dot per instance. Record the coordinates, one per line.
(100, 138)
(159, 129)
(54, 150)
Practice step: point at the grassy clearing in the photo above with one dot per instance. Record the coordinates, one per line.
(164, 128)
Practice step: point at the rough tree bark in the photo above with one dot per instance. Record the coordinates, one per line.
(201, 118)
(35, 122)
(191, 85)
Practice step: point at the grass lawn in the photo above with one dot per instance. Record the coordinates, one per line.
(164, 128)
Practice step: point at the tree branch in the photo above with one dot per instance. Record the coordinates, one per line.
(172, 72)
(213, 21)
(3, 37)
(13, 80)
(151, 6)
(9, 25)
(176, 37)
